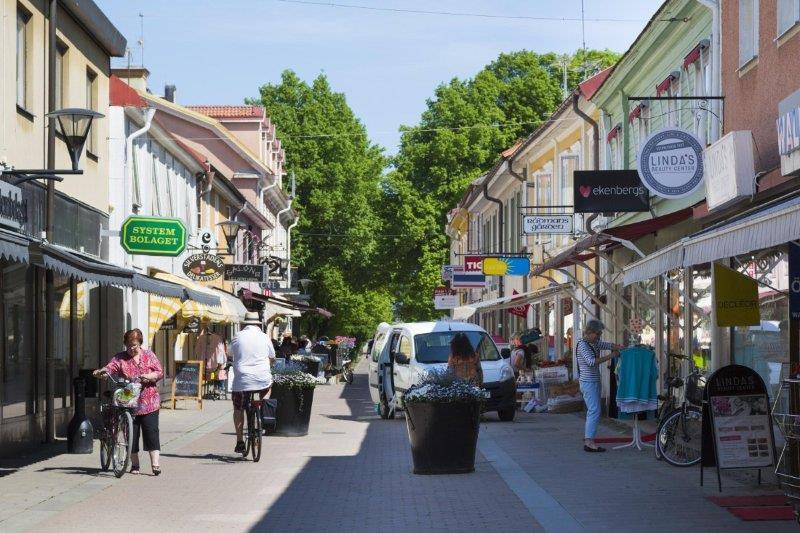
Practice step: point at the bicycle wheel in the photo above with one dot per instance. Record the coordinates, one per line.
(348, 376)
(122, 444)
(105, 453)
(246, 432)
(679, 437)
(255, 434)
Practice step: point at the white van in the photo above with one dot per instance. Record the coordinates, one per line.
(401, 354)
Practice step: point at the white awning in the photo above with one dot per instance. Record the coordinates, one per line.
(771, 225)
(655, 264)
(506, 302)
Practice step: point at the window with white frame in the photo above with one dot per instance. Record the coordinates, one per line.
(788, 15)
(91, 103)
(702, 87)
(23, 67)
(61, 73)
(155, 195)
(748, 31)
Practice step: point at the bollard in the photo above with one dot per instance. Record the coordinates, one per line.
(80, 433)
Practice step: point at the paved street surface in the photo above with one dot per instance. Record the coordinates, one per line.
(352, 473)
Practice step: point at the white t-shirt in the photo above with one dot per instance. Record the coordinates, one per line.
(251, 350)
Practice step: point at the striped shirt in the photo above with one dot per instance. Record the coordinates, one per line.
(588, 354)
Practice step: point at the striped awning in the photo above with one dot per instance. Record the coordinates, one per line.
(203, 303)
(162, 308)
(515, 300)
(80, 308)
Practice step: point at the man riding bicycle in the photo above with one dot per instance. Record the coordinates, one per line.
(251, 350)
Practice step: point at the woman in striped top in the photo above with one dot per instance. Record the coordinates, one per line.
(588, 350)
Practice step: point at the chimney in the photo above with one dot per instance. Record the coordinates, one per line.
(136, 77)
(169, 93)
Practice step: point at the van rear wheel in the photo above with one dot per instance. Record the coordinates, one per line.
(506, 415)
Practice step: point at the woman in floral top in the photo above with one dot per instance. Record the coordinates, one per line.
(463, 361)
(137, 362)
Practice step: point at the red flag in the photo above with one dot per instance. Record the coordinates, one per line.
(521, 311)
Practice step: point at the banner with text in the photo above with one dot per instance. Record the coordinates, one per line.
(600, 191)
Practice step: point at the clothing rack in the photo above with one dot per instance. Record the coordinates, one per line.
(636, 438)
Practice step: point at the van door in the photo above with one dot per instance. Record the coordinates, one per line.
(402, 364)
(385, 374)
(374, 355)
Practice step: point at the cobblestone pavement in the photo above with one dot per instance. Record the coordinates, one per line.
(352, 473)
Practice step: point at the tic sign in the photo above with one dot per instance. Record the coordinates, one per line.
(473, 263)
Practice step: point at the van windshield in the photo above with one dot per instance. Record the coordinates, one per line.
(435, 347)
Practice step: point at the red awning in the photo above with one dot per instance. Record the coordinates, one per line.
(664, 85)
(629, 232)
(694, 55)
(613, 133)
(635, 113)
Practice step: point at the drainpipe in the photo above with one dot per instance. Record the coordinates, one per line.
(289, 250)
(499, 221)
(278, 222)
(716, 64)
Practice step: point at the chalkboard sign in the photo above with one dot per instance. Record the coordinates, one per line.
(737, 427)
(188, 381)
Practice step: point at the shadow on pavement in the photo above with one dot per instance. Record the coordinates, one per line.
(81, 470)
(12, 463)
(220, 459)
(374, 489)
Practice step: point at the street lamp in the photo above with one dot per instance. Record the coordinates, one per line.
(73, 125)
(230, 228)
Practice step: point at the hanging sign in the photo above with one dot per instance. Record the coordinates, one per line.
(153, 236)
(736, 421)
(473, 263)
(463, 279)
(605, 191)
(447, 272)
(169, 324)
(444, 298)
(520, 310)
(670, 163)
(244, 273)
(506, 266)
(13, 208)
(735, 298)
(203, 267)
(794, 281)
(556, 224)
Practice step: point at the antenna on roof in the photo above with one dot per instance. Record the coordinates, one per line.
(141, 35)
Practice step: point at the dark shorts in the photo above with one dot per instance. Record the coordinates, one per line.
(242, 399)
(147, 425)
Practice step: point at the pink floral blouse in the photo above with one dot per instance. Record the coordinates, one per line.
(123, 364)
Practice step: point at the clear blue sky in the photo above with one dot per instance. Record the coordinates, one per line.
(387, 63)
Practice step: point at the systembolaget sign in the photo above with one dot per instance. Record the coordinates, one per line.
(670, 163)
(13, 208)
(153, 236)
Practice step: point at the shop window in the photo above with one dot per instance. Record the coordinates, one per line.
(701, 321)
(674, 320)
(61, 338)
(788, 15)
(748, 31)
(644, 304)
(17, 367)
(765, 348)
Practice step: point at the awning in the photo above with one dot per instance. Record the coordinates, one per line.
(14, 246)
(694, 55)
(279, 306)
(629, 232)
(465, 311)
(613, 133)
(665, 85)
(771, 225)
(82, 267)
(159, 287)
(233, 305)
(204, 303)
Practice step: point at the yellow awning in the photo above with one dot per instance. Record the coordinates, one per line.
(162, 308)
(218, 314)
(80, 310)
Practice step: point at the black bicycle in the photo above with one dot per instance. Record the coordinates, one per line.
(679, 434)
(116, 435)
(253, 430)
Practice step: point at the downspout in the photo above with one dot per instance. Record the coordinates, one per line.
(499, 222)
(716, 64)
(289, 250)
(278, 222)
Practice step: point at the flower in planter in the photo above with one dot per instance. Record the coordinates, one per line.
(293, 377)
(443, 386)
(306, 358)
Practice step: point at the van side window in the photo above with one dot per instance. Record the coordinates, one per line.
(404, 347)
(376, 347)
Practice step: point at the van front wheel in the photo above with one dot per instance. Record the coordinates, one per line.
(385, 411)
(506, 415)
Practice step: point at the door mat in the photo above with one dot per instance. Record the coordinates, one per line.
(750, 514)
(767, 500)
(613, 440)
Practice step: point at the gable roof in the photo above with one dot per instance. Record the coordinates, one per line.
(589, 87)
(229, 111)
(123, 95)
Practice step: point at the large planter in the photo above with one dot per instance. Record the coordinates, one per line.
(312, 367)
(443, 436)
(294, 410)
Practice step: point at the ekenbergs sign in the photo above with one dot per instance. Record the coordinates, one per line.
(671, 163)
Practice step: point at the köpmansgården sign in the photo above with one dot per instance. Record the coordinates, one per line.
(153, 236)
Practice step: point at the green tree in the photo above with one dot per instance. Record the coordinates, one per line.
(337, 243)
(460, 135)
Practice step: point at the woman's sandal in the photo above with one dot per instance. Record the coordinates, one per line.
(156, 470)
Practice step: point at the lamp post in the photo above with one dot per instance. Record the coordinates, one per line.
(230, 228)
(74, 125)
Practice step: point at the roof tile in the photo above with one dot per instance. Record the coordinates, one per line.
(229, 111)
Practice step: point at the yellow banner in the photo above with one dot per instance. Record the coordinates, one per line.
(735, 298)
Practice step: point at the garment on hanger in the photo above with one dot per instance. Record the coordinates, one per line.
(637, 376)
(180, 345)
(210, 348)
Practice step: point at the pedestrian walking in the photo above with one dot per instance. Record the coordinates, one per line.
(138, 363)
(589, 361)
(517, 359)
(463, 361)
(252, 354)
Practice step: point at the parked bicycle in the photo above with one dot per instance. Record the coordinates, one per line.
(253, 430)
(679, 434)
(116, 435)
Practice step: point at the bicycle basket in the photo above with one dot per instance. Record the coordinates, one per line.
(695, 386)
(128, 396)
